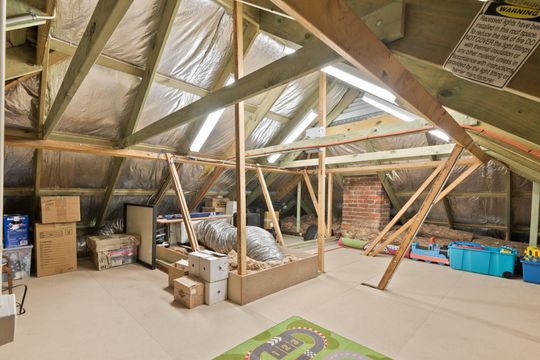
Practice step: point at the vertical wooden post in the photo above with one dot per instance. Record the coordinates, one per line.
(329, 210)
(270, 206)
(418, 220)
(298, 207)
(508, 205)
(183, 204)
(321, 228)
(535, 207)
(238, 41)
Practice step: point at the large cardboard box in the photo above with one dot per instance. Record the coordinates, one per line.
(60, 209)
(108, 251)
(215, 292)
(213, 266)
(56, 248)
(189, 291)
(8, 310)
(16, 231)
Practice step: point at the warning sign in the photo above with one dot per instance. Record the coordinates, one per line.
(498, 42)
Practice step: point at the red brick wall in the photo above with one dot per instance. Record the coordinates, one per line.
(365, 204)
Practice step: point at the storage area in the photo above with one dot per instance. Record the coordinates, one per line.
(270, 179)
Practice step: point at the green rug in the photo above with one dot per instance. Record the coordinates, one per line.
(298, 339)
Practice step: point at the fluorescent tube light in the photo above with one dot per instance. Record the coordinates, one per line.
(440, 134)
(209, 124)
(293, 135)
(346, 76)
(289, 51)
(272, 158)
(389, 108)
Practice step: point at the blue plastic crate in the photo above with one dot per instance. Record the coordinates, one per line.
(482, 259)
(531, 271)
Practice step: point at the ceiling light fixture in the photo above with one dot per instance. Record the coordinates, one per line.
(389, 108)
(293, 135)
(209, 125)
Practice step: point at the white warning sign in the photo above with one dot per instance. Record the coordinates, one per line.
(497, 43)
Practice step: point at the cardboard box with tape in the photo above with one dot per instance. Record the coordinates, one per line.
(56, 248)
(60, 209)
(189, 291)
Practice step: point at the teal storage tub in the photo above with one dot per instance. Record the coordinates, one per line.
(477, 258)
(531, 271)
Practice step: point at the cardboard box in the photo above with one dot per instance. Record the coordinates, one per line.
(189, 292)
(60, 209)
(215, 292)
(56, 248)
(268, 224)
(214, 209)
(109, 251)
(16, 230)
(8, 311)
(175, 273)
(182, 265)
(216, 202)
(213, 266)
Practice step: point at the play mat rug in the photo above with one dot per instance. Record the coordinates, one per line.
(298, 339)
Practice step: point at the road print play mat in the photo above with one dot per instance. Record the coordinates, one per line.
(298, 339)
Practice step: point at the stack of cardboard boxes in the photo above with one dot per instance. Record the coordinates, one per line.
(202, 279)
(217, 205)
(56, 235)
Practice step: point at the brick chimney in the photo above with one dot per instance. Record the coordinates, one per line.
(365, 204)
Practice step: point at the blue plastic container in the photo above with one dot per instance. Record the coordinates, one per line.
(482, 259)
(531, 271)
(16, 231)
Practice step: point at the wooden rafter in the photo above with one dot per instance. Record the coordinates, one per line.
(371, 56)
(446, 202)
(385, 155)
(419, 218)
(156, 49)
(464, 175)
(270, 207)
(312, 195)
(104, 20)
(304, 61)
(183, 205)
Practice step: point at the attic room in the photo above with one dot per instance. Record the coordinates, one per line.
(270, 179)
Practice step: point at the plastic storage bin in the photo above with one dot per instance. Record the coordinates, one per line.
(531, 271)
(19, 261)
(482, 259)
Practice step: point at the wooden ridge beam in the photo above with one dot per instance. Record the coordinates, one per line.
(105, 18)
(304, 61)
(385, 155)
(371, 56)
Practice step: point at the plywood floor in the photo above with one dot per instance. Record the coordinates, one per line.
(430, 312)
